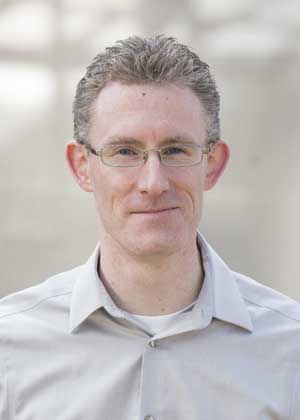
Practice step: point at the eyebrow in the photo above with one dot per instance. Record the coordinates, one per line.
(119, 140)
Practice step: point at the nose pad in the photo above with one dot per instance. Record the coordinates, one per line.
(145, 157)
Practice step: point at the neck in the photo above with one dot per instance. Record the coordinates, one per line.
(157, 287)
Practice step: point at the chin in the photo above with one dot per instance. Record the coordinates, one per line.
(153, 245)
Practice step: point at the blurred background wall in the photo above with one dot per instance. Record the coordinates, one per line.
(251, 217)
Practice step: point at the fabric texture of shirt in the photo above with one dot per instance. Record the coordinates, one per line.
(68, 353)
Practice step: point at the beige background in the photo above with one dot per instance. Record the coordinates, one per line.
(252, 216)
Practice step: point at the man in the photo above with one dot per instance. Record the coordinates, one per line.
(154, 326)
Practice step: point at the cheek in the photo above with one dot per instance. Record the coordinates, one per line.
(197, 200)
(194, 184)
(196, 197)
(110, 188)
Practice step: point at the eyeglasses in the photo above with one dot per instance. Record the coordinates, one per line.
(173, 155)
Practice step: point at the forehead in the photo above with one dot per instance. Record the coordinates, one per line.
(143, 111)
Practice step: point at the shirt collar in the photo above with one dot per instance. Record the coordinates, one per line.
(219, 297)
(89, 294)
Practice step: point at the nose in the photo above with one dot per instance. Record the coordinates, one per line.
(153, 178)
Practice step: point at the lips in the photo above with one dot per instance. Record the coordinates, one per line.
(146, 211)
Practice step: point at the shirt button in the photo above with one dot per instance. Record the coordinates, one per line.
(153, 344)
(149, 418)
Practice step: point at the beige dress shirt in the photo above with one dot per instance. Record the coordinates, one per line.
(68, 353)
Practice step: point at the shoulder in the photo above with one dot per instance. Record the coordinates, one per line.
(262, 300)
(41, 295)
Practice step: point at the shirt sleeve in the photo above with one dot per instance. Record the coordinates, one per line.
(295, 398)
(4, 412)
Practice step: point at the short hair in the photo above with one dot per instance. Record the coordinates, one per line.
(153, 60)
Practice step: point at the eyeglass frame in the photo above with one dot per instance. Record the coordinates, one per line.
(206, 149)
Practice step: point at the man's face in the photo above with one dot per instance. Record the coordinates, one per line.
(152, 209)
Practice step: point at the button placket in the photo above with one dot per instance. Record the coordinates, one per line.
(150, 382)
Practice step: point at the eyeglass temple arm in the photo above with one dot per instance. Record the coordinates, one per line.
(89, 147)
(208, 147)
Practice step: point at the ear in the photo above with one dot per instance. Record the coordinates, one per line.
(216, 163)
(77, 158)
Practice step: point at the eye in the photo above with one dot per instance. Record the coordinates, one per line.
(174, 150)
(125, 151)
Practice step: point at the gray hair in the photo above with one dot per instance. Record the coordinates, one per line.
(156, 60)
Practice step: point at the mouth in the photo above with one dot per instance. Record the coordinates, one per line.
(155, 211)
